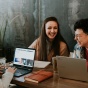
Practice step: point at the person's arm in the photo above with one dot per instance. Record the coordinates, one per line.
(7, 77)
(34, 44)
(63, 49)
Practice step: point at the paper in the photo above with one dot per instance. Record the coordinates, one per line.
(41, 64)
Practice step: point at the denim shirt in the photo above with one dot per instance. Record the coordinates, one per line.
(79, 51)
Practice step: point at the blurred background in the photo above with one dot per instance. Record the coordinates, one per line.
(21, 20)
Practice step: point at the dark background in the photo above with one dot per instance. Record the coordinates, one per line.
(21, 20)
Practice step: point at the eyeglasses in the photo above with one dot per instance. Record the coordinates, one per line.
(80, 35)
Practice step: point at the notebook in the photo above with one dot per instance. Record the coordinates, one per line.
(72, 68)
(23, 61)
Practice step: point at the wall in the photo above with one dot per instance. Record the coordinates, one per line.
(17, 22)
(21, 20)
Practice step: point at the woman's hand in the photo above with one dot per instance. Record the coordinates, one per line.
(11, 69)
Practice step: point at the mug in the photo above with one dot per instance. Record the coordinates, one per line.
(2, 60)
(54, 62)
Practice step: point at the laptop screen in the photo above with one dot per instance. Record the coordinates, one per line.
(24, 57)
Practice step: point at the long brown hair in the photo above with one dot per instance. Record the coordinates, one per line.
(55, 44)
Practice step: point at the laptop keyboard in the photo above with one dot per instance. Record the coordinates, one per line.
(20, 72)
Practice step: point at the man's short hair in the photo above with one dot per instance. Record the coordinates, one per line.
(82, 24)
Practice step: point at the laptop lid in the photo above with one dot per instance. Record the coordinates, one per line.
(24, 58)
(72, 68)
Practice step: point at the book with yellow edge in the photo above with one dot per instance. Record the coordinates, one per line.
(38, 76)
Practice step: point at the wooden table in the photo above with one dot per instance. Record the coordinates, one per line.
(53, 82)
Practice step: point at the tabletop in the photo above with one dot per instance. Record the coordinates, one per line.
(53, 82)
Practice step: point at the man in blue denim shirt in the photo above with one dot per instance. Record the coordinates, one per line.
(79, 51)
(81, 36)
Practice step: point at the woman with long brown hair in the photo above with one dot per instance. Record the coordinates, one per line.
(50, 42)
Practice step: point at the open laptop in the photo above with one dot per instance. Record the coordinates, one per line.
(23, 61)
(72, 68)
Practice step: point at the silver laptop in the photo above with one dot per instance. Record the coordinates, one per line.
(23, 61)
(72, 68)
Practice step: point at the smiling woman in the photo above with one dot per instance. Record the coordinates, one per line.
(50, 42)
(51, 30)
